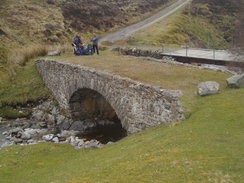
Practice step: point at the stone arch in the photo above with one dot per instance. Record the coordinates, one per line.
(92, 109)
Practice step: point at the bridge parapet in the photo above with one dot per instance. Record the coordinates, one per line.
(137, 105)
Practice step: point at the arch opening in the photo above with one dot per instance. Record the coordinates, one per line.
(94, 117)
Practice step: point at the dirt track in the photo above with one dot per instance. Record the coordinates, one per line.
(125, 32)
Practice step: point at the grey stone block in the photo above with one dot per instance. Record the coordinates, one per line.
(236, 81)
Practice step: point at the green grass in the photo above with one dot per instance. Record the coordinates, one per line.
(179, 29)
(25, 86)
(167, 76)
(207, 147)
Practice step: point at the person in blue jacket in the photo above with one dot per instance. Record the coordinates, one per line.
(94, 41)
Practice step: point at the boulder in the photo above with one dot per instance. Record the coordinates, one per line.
(30, 133)
(236, 81)
(55, 139)
(54, 53)
(208, 88)
(48, 137)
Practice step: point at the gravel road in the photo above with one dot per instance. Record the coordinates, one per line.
(125, 32)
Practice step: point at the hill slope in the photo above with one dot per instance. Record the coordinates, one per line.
(54, 21)
(202, 23)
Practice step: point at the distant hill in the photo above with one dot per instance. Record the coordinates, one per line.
(225, 15)
(201, 23)
(52, 21)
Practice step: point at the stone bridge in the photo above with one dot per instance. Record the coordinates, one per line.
(84, 92)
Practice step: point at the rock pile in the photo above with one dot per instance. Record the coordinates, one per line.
(46, 121)
(30, 136)
(48, 115)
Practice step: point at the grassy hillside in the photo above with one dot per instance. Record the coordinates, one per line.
(28, 28)
(54, 21)
(207, 147)
(202, 23)
(20, 83)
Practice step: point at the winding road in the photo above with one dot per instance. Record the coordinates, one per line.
(125, 32)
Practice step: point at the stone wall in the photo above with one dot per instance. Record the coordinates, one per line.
(137, 105)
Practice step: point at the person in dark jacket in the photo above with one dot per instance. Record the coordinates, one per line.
(77, 40)
(94, 41)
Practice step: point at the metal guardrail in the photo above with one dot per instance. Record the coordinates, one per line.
(183, 50)
(154, 53)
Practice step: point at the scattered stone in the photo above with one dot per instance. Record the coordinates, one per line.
(38, 115)
(13, 132)
(80, 143)
(54, 53)
(65, 125)
(60, 119)
(48, 137)
(50, 118)
(55, 139)
(92, 144)
(16, 140)
(62, 139)
(77, 125)
(1, 119)
(208, 88)
(43, 124)
(110, 143)
(236, 81)
(25, 136)
(8, 143)
(6, 133)
(29, 133)
(68, 133)
(31, 141)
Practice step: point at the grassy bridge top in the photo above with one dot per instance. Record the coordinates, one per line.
(165, 75)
